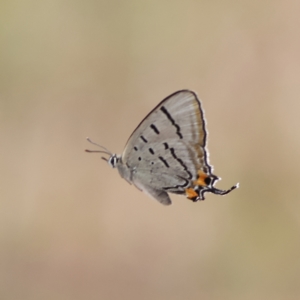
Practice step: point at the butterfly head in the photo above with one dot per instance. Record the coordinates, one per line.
(113, 159)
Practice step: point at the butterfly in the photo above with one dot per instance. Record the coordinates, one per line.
(167, 152)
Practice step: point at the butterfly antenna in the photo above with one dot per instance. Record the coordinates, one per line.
(98, 151)
(107, 151)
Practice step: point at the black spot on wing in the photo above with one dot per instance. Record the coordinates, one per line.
(207, 180)
(164, 161)
(164, 110)
(151, 151)
(154, 128)
(143, 139)
(166, 146)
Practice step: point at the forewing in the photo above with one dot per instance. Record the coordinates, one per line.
(168, 146)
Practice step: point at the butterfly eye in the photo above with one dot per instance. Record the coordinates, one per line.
(113, 160)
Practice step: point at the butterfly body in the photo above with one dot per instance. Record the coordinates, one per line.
(167, 152)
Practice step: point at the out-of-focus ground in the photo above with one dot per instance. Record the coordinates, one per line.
(70, 227)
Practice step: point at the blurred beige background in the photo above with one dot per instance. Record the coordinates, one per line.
(70, 227)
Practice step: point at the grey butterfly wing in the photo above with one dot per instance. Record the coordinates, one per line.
(156, 193)
(167, 149)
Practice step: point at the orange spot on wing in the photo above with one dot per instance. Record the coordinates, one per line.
(191, 193)
(201, 179)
